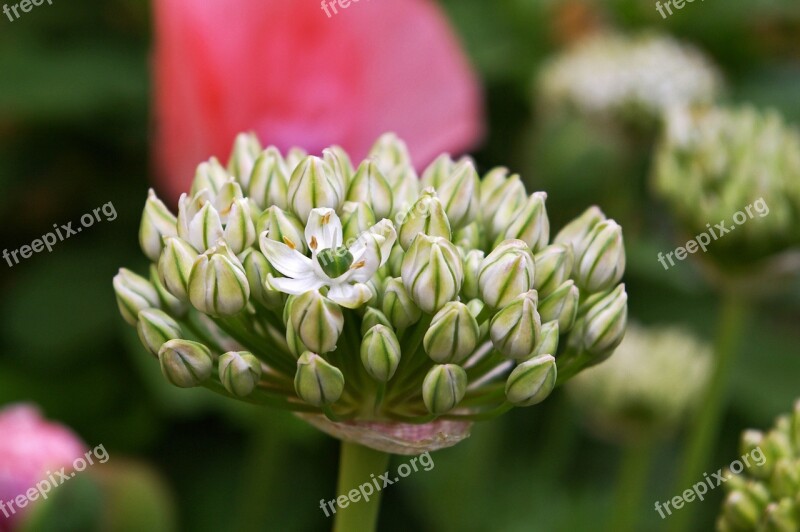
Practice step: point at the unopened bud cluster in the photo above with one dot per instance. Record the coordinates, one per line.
(367, 293)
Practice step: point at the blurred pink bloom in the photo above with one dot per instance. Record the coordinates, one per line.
(296, 77)
(30, 447)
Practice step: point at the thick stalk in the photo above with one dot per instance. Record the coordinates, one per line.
(631, 485)
(706, 423)
(356, 463)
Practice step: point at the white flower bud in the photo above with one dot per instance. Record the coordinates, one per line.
(175, 266)
(371, 187)
(134, 294)
(426, 216)
(218, 284)
(282, 226)
(199, 222)
(314, 184)
(155, 328)
(576, 231)
(245, 150)
(209, 176)
(444, 387)
(472, 268)
(269, 180)
(317, 320)
(501, 198)
(452, 335)
(239, 372)
(357, 217)
(532, 381)
(398, 306)
(602, 262)
(516, 329)
(460, 194)
(561, 306)
(554, 265)
(530, 224)
(380, 352)
(432, 272)
(506, 272)
(240, 232)
(184, 363)
(338, 159)
(157, 222)
(317, 382)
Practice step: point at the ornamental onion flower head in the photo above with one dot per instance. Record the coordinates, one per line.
(380, 310)
(764, 493)
(652, 382)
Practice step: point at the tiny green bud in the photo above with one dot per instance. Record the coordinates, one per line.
(781, 516)
(357, 217)
(245, 150)
(444, 387)
(218, 284)
(741, 511)
(532, 381)
(553, 266)
(506, 272)
(156, 327)
(548, 340)
(210, 176)
(371, 318)
(561, 306)
(460, 194)
(282, 226)
(380, 352)
(371, 187)
(604, 323)
(239, 372)
(452, 335)
(157, 222)
(472, 268)
(269, 181)
(317, 320)
(426, 216)
(314, 184)
(530, 223)
(516, 329)
(398, 305)
(134, 294)
(602, 262)
(175, 266)
(578, 229)
(184, 363)
(317, 382)
(432, 272)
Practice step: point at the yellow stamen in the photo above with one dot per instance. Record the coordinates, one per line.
(313, 243)
(288, 242)
(326, 219)
(359, 264)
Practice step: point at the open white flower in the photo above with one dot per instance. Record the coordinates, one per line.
(345, 270)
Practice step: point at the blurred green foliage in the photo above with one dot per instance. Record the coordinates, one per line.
(75, 133)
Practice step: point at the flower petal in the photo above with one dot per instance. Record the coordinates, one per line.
(296, 286)
(323, 230)
(366, 259)
(286, 260)
(350, 295)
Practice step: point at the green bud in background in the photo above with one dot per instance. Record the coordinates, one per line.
(553, 266)
(218, 285)
(472, 267)
(294, 157)
(603, 326)
(530, 223)
(575, 232)
(470, 237)
(532, 381)
(380, 352)
(155, 328)
(134, 294)
(184, 363)
(314, 184)
(501, 198)
(398, 306)
(561, 306)
(460, 194)
(268, 184)
(444, 387)
(741, 510)
(506, 272)
(357, 217)
(157, 222)
(239, 372)
(174, 305)
(426, 216)
(452, 335)
(601, 264)
(317, 320)
(210, 176)
(548, 339)
(390, 152)
(432, 272)
(256, 269)
(371, 187)
(338, 159)
(246, 149)
(282, 226)
(371, 318)
(317, 382)
(781, 516)
(516, 329)
(438, 171)
(175, 266)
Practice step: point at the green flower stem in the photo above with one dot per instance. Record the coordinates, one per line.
(356, 463)
(705, 425)
(631, 485)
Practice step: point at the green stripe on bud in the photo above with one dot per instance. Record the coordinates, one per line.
(155, 328)
(338, 159)
(561, 306)
(530, 223)
(269, 180)
(426, 216)
(516, 329)
(314, 184)
(210, 175)
(398, 305)
(553, 266)
(501, 198)
(199, 222)
(438, 171)
(506, 272)
(175, 266)
(472, 268)
(380, 352)
(432, 272)
(240, 232)
(282, 226)
(602, 262)
(460, 194)
(452, 335)
(218, 284)
(317, 320)
(370, 186)
(157, 222)
(184, 363)
(134, 294)
(239, 372)
(444, 387)
(604, 324)
(317, 382)
(548, 340)
(532, 381)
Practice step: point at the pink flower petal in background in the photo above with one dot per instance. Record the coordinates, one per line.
(30, 447)
(284, 69)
